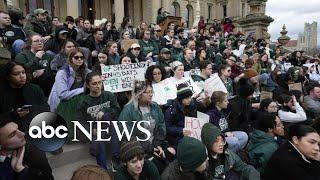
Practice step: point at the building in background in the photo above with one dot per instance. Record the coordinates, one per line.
(307, 40)
(247, 15)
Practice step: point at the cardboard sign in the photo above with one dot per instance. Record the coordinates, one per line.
(214, 83)
(195, 125)
(265, 95)
(119, 78)
(295, 86)
(287, 66)
(126, 44)
(192, 72)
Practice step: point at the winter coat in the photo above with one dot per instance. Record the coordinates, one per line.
(35, 26)
(287, 115)
(188, 66)
(219, 118)
(288, 163)
(174, 117)
(61, 87)
(260, 149)
(132, 113)
(240, 117)
(173, 172)
(232, 162)
(11, 33)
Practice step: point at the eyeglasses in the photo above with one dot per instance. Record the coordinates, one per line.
(78, 57)
(221, 141)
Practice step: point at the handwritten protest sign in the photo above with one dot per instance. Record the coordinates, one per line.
(191, 73)
(195, 125)
(214, 83)
(163, 91)
(295, 86)
(166, 89)
(265, 95)
(287, 66)
(119, 78)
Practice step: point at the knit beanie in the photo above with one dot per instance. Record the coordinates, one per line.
(191, 153)
(209, 134)
(129, 149)
(175, 64)
(249, 73)
(183, 91)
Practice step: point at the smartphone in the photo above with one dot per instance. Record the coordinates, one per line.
(25, 107)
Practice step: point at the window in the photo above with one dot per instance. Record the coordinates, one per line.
(209, 11)
(225, 10)
(175, 9)
(243, 9)
(188, 15)
(32, 5)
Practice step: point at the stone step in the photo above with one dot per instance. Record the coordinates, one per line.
(71, 153)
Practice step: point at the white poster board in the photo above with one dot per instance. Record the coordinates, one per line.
(214, 83)
(166, 89)
(119, 78)
(191, 73)
(195, 125)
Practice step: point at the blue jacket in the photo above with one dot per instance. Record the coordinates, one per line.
(175, 117)
(61, 87)
(219, 118)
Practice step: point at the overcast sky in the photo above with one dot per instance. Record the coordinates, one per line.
(292, 13)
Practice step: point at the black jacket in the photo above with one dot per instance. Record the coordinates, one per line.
(288, 163)
(12, 33)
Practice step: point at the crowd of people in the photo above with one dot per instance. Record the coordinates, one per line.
(57, 67)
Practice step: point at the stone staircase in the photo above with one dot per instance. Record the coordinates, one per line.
(74, 156)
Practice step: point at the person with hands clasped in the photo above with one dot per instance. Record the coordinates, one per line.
(34, 58)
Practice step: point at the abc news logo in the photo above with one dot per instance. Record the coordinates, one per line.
(48, 131)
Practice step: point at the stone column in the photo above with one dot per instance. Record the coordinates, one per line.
(72, 8)
(119, 12)
(166, 5)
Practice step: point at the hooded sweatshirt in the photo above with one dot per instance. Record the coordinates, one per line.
(260, 149)
(221, 165)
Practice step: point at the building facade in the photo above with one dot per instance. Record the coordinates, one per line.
(307, 40)
(146, 10)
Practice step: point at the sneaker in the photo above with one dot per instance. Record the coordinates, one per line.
(115, 163)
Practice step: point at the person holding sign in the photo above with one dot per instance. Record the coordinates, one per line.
(219, 113)
(142, 108)
(176, 112)
(223, 163)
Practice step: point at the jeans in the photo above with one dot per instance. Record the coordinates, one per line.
(238, 141)
(16, 46)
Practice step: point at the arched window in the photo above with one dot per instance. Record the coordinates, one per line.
(188, 16)
(32, 5)
(175, 9)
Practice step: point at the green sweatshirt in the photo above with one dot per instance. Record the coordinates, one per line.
(147, 47)
(89, 107)
(28, 59)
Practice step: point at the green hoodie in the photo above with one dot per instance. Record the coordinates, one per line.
(260, 149)
(209, 134)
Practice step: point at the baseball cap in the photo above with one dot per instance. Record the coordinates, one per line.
(164, 50)
(39, 11)
(135, 45)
